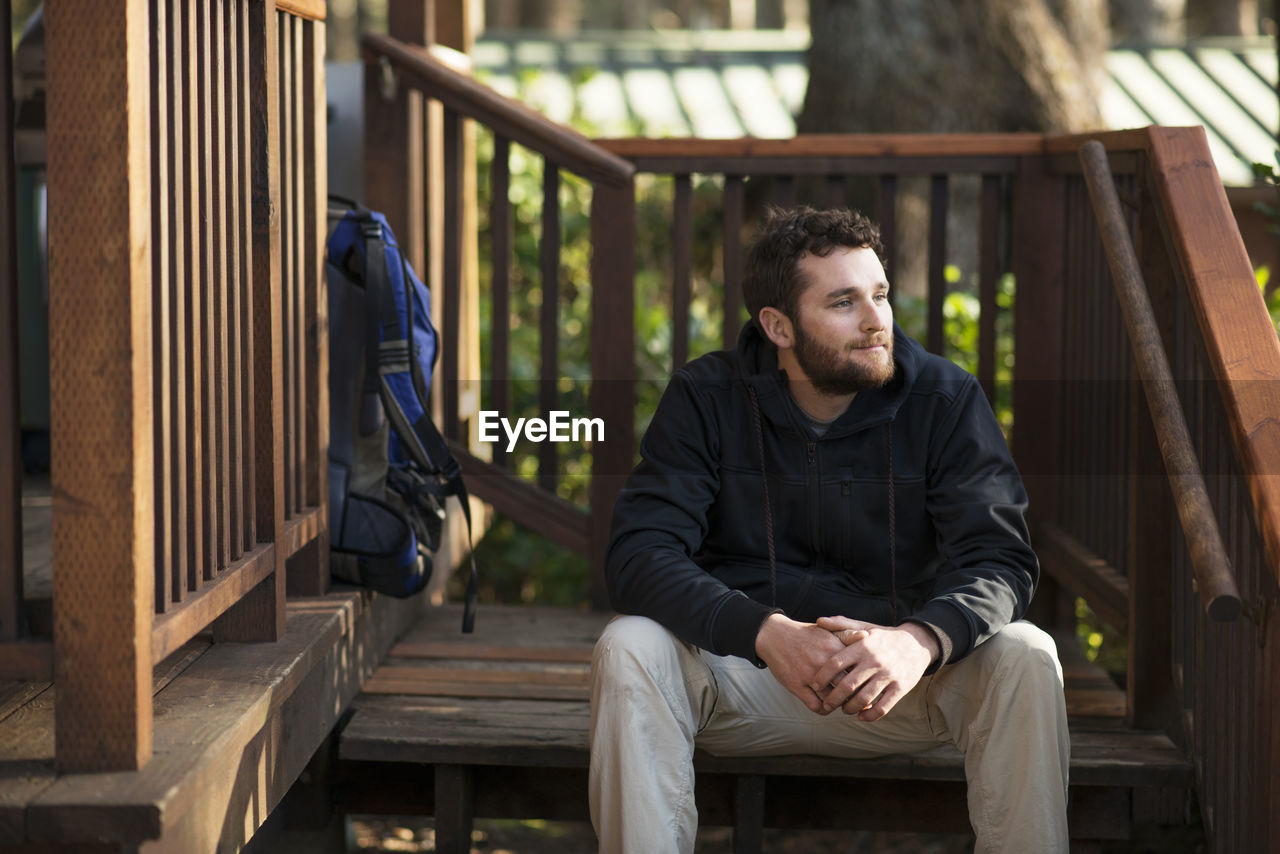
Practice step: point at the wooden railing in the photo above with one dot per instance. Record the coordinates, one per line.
(413, 70)
(187, 340)
(1103, 512)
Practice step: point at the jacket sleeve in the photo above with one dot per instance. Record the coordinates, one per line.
(977, 503)
(659, 523)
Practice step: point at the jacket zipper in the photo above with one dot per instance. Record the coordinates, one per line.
(846, 559)
(815, 500)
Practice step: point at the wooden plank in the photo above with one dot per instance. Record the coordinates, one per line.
(1151, 524)
(834, 145)
(734, 203)
(512, 625)
(248, 439)
(613, 371)
(233, 189)
(176, 627)
(550, 515)
(100, 364)
(315, 572)
(682, 269)
(10, 373)
(191, 278)
(500, 230)
(519, 123)
(207, 291)
(938, 197)
(260, 614)
(453, 808)
(817, 166)
(302, 221)
(1084, 573)
(496, 652)
(220, 388)
(230, 756)
(161, 288)
(27, 658)
(500, 691)
(179, 237)
(451, 322)
(887, 211)
(288, 260)
(549, 319)
(748, 814)
(1238, 335)
(988, 276)
(311, 10)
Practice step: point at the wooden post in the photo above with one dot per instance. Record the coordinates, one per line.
(454, 808)
(309, 570)
(613, 370)
(1149, 699)
(10, 400)
(100, 366)
(1038, 213)
(259, 616)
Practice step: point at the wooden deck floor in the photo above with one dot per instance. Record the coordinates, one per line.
(507, 709)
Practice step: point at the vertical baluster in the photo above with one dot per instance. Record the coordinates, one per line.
(248, 272)
(160, 286)
(10, 433)
(192, 280)
(887, 205)
(937, 262)
(835, 192)
(288, 213)
(682, 269)
(500, 224)
(784, 190)
(207, 290)
(315, 195)
(549, 327)
(454, 210)
(234, 488)
(221, 276)
(988, 273)
(179, 276)
(734, 200)
(299, 283)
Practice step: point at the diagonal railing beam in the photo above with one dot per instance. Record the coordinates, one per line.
(1214, 577)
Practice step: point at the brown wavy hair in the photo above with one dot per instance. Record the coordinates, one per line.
(772, 277)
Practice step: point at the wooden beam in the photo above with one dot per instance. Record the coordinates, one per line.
(835, 145)
(1082, 572)
(10, 399)
(100, 366)
(260, 614)
(1239, 337)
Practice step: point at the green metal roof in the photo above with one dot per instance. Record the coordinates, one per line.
(731, 84)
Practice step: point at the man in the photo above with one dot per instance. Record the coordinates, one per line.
(832, 503)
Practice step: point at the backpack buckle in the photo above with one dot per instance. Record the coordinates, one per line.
(371, 229)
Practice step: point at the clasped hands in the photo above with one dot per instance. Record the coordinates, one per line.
(839, 663)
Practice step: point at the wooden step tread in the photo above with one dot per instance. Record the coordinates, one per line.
(515, 693)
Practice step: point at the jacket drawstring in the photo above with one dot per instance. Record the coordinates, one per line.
(768, 513)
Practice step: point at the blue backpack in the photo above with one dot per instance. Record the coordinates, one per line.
(390, 470)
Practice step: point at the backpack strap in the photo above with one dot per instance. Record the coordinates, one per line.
(387, 352)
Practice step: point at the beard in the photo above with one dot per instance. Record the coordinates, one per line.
(831, 370)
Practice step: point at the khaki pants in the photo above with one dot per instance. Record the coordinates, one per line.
(654, 698)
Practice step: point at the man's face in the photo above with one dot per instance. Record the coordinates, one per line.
(843, 326)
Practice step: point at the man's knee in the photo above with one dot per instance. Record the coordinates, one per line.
(629, 643)
(1026, 651)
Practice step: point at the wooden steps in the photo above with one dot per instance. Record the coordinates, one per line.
(235, 724)
(513, 697)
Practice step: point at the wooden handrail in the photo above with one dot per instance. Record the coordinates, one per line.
(311, 10)
(458, 92)
(1214, 577)
(1239, 339)
(834, 145)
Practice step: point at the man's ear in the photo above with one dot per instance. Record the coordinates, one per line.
(777, 326)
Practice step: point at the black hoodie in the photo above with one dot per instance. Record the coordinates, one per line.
(908, 508)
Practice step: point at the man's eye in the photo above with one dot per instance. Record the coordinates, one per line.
(842, 303)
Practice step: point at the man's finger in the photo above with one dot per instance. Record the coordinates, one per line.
(851, 636)
(881, 707)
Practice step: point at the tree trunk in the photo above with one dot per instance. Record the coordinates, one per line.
(1150, 21)
(967, 65)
